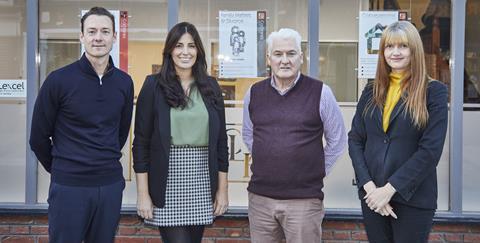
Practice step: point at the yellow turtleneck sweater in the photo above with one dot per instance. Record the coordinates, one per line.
(393, 96)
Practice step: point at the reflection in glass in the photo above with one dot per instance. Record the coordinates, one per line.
(59, 45)
(337, 65)
(432, 19)
(472, 53)
(471, 114)
(204, 14)
(57, 53)
(12, 107)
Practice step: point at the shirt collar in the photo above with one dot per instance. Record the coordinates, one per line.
(274, 85)
(88, 68)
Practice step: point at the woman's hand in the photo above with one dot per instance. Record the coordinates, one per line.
(386, 211)
(220, 205)
(369, 187)
(380, 197)
(144, 206)
(144, 202)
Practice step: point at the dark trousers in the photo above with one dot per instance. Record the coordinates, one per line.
(412, 226)
(182, 234)
(88, 214)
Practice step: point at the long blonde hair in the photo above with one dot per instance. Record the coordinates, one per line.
(415, 82)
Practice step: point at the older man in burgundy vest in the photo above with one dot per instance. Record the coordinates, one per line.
(284, 120)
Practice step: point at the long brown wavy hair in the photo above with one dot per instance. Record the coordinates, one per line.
(167, 77)
(415, 82)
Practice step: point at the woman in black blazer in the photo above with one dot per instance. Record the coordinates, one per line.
(180, 145)
(396, 141)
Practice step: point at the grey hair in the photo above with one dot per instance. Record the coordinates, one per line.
(284, 33)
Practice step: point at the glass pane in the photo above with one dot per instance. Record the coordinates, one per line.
(337, 68)
(432, 19)
(146, 31)
(338, 47)
(338, 61)
(471, 114)
(472, 54)
(12, 100)
(205, 15)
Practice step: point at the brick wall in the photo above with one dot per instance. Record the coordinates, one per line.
(34, 229)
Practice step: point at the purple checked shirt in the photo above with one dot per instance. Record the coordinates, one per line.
(330, 114)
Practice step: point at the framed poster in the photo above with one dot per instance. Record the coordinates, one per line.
(242, 43)
(371, 26)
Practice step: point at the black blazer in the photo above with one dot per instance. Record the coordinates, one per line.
(404, 156)
(151, 145)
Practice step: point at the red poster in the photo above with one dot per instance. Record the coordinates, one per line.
(123, 41)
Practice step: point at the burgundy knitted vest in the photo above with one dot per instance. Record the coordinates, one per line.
(287, 150)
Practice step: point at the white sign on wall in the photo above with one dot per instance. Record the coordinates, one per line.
(371, 26)
(238, 44)
(13, 88)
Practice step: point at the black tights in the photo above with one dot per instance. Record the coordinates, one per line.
(182, 234)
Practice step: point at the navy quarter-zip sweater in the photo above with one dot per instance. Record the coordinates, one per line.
(81, 122)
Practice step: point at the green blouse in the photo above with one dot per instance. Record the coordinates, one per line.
(190, 125)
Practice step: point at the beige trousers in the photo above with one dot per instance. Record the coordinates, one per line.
(299, 220)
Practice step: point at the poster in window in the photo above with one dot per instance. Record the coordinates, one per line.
(239, 42)
(371, 26)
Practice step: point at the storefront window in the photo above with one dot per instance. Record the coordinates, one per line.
(432, 19)
(472, 54)
(146, 32)
(338, 43)
(471, 113)
(338, 61)
(338, 47)
(205, 15)
(144, 29)
(12, 100)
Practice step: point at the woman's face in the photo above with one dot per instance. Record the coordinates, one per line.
(184, 54)
(397, 57)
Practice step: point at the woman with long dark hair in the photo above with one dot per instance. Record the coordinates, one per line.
(397, 138)
(180, 145)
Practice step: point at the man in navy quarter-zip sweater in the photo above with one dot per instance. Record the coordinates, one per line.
(80, 123)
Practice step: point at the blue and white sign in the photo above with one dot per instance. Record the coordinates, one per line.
(238, 44)
(13, 88)
(371, 26)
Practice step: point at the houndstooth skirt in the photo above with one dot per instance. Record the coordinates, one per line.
(188, 199)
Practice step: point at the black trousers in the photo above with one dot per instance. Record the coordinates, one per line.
(182, 234)
(412, 226)
(84, 214)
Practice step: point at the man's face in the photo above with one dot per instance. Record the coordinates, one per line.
(98, 36)
(285, 59)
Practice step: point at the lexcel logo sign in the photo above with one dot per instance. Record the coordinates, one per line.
(13, 88)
